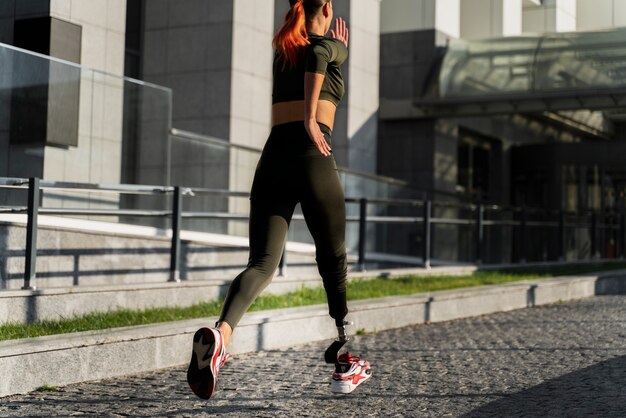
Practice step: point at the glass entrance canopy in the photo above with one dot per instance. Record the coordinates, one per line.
(560, 71)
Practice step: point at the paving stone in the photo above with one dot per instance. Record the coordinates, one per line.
(558, 360)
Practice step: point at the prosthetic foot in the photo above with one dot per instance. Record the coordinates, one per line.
(350, 371)
(332, 352)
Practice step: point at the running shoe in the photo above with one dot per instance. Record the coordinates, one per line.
(208, 355)
(350, 372)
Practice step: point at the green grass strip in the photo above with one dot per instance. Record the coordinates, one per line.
(357, 289)
(568, 269)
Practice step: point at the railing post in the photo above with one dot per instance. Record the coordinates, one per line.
(479, 233)
(362, 232)
(561, 237)
(622, 233)
(522, 225)
(30, 271)
(426, 226)
(177, 206)
(282, 265)
(594, 233)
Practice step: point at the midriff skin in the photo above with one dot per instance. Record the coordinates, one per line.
(293, 111)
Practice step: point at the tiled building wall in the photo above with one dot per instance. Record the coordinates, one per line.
(600, 14)
(496, 17)
(251, 94)
(91, 34)
(412, 15)
(103, 24)
(188, 48)
(550, 16)
(475, 19)
(363, 93)
(406, 148)
(251, 83)
(98, 156)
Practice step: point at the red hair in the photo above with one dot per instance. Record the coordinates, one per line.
(292, 36)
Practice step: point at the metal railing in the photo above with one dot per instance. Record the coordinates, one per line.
(424, 210)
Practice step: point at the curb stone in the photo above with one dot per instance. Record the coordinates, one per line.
(71, 358)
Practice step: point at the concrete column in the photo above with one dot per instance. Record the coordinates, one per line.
(550, 16)
(188, 47)
(407, 148)
(481, 19)
(217, 58)
(363, 92)
(600, 14)
(511, 17)
(251, 75)
(251, 94)
(412, 15)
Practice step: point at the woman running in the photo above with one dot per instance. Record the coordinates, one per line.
(296, 166)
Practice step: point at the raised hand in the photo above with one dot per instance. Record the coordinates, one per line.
(340, 32)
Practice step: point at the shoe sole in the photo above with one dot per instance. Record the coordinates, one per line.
(344, 389)
(202, 380)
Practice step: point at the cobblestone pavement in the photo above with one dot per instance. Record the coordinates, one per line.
(559, 360)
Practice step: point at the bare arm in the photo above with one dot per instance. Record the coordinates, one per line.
(312, 87)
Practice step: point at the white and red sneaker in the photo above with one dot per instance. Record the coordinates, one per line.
(349, 373)
(208, 355)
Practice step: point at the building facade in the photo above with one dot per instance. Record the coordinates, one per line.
(438, 58)
(205, 70)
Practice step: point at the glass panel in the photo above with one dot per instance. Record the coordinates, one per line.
(383, 239)
(211, 163)
(558, 61)
(200, 161)
(499, 239)
(491, 66)
(63, 122)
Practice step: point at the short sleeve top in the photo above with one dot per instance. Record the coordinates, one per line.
(323, 56)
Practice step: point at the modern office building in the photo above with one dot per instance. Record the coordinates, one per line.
(511, 102)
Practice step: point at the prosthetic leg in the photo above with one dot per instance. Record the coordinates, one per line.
(332, 352)
(350, 371)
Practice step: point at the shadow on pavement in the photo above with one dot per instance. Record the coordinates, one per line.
(598, 390)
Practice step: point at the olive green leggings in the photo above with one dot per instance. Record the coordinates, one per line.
(292, 170)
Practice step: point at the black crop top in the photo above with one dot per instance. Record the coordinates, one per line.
(323, 56)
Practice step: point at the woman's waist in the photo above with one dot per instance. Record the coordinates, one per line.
(293, 111)
(291, 140)
(290, 131)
